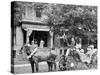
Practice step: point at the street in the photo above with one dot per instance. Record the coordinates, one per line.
(26, 68)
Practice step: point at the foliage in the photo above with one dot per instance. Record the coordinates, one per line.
(17, 11)
(69, 16)
(75, 18)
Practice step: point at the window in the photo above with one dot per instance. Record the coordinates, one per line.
(38, 13)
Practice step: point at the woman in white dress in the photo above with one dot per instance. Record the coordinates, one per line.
(41, 44)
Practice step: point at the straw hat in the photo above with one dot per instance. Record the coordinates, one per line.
(91, 47)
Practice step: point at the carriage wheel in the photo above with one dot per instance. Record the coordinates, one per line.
(68, 64)
(62, 65)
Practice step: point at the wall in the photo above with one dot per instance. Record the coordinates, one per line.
(30, 15)
(19, 38)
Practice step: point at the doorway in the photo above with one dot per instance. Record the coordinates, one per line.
(38, 36)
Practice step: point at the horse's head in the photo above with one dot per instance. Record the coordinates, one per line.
(25, 49)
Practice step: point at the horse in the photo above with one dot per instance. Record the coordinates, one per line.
(47, 55)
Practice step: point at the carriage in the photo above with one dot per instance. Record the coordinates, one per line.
(71, 61)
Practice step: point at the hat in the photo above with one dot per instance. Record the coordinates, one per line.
(91, 46)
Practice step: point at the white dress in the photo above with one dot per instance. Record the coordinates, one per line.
(41, 44)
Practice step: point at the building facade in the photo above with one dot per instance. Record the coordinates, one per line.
(33, 27)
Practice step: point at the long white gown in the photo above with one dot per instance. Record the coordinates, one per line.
(41, 44)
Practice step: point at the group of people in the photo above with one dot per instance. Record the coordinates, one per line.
(76, 42)
(85, 57)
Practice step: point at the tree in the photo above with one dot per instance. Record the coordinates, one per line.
(74, 18)
(17, 12)
(71, 15)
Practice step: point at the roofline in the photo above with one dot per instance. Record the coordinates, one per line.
(33, 23)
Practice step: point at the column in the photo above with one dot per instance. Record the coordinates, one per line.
(51, 34)
(27, 37)
(28, 34)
